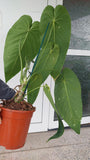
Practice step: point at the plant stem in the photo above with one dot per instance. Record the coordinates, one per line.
(19, 95)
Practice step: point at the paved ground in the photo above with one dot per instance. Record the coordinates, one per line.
(69, 147)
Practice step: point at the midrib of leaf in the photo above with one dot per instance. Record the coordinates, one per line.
(54, 31)
(67, 95)
(47, 42)
(68, 99)
(49, 36)
(54, 20)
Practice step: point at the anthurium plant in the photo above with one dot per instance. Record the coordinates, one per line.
(44, 44)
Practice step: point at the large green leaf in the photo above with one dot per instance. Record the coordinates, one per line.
(68, 98)
(24, 35)
(61, 127)
(59, 32)
(45, 64)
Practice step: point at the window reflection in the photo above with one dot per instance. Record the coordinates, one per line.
(79, 11)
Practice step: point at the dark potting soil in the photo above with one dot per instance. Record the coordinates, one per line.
(23, 105)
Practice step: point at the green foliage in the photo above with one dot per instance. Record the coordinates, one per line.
(59, 32)
(60, 127)
(68, 98)
(23, 34)
(23, 43)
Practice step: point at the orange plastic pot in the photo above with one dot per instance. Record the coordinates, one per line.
(14, 127)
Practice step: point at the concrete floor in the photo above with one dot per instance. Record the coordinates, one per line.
(69, 147)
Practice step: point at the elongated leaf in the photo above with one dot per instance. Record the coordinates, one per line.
(61, 127)
(60, 130)
(59, 32)
(68, 98)
(25, 35)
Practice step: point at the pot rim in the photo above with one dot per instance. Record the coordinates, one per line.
(12, 110)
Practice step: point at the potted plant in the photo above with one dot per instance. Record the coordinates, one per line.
(43, 44)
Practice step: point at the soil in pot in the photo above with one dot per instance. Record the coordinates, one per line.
(23, 105)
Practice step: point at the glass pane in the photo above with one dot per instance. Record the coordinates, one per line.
(79, 11)
(81, 66)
